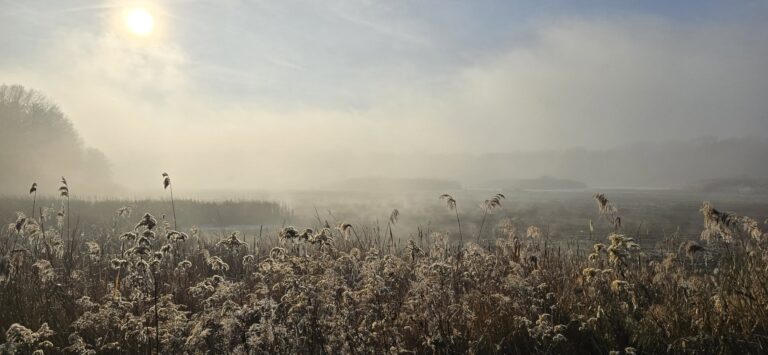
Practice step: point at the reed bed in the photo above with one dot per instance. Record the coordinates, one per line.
(149, 285)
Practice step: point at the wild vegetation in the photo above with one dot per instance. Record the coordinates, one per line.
(150, 285)
(96, 216)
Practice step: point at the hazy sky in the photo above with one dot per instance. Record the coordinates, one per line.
(244, 92)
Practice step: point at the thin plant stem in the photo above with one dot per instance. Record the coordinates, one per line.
(482, 223)
(458, 221)
(34, 200)
(173, 209)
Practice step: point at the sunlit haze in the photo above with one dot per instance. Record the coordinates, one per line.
(140, 22)
(304, 94)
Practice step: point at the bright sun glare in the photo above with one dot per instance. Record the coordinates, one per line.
(140, 22)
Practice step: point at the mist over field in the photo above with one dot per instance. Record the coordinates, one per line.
(40, 143)
(370, 177)
(666, 97)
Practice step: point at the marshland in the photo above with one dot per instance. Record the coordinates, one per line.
(529, 271)
(365, 177)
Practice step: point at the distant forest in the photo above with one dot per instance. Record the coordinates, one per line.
(39, 144)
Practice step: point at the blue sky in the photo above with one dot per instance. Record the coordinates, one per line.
(293, 50)
(255, 78)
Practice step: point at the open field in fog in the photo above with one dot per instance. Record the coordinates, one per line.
(363, 271)
(565, 214)
(383, 177)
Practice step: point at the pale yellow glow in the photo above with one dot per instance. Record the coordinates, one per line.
(140, 22)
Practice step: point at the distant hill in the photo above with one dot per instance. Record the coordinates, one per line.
(397, 184)
(541, 183)
(673, 164)
(669, 164)
(733, 185)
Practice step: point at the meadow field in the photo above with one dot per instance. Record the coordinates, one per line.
(328, 272)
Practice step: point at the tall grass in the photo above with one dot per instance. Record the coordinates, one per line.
(64, 193)
(160, 290)
(33, 192)
(167, 185)
(451, 203)
(489, 205)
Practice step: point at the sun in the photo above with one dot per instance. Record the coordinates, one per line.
(140, 22)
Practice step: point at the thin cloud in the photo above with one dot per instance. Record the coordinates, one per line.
(382, 29)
